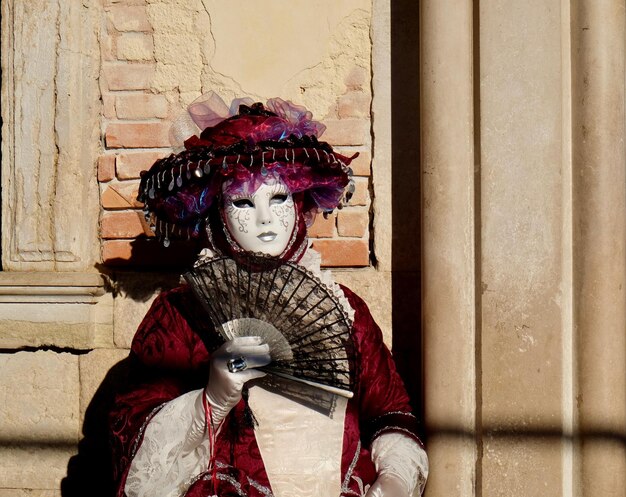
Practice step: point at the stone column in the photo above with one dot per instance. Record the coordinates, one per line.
(50, 135)
(524, 314)
(448, 244)
(599, 192)
(524, 246)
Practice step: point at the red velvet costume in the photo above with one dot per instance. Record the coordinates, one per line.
(170, 355)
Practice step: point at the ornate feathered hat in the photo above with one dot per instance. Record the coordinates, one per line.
(247, 142)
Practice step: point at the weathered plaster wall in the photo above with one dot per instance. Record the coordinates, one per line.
(303, 53)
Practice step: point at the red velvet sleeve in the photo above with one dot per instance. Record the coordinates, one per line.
(383, 400)
(167, 360)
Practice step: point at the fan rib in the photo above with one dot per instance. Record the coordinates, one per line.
(315, 306)
(322, 375)
(286, 303)
(243, 311)
(221, 295)
(282, 289)
(249, 281)
(216, 297)
(286, 317)
(258, 290)
(341, 346)
(329, 388)
(296, 331)
(300, 339)
(207, 304)
(317, 375)
(271, 285)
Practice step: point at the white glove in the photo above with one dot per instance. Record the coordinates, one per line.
(401, 465)
(388, 485)
(223, 390)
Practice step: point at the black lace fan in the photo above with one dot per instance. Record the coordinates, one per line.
(306, 327)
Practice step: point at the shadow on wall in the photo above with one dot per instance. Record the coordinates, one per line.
(406, 253)
(148, 268)
(90, 471)
(148, 252)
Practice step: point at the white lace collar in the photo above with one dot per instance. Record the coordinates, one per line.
(312, 261)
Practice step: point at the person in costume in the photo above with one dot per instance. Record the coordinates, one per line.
(198, 418)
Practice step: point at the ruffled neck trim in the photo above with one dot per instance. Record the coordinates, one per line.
(312, 260)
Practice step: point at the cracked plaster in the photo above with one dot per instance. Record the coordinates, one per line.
(309, 51)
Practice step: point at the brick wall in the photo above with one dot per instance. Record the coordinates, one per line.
(136, 119)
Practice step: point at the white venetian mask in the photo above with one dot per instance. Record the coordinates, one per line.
(263, 220)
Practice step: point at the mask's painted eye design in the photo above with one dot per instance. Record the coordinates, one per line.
(243, 203)
(279, 198)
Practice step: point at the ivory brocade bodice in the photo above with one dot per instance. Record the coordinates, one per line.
(301, 447)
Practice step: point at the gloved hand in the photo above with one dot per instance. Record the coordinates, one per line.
(223, 390)
(388, 485)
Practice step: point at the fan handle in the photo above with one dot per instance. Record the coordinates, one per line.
(328, 388)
